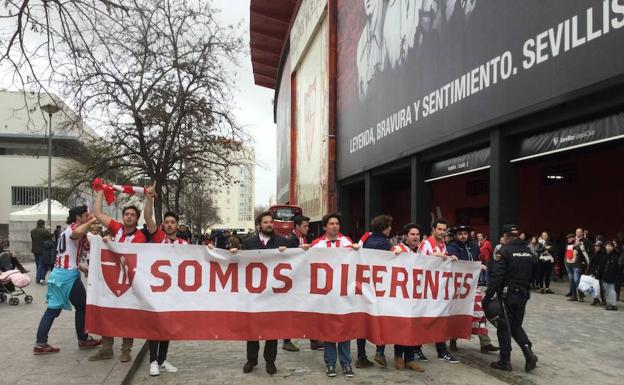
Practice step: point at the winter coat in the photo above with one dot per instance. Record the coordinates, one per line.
(468, 251)
(377, 241)
(612, 272)
(596, 266)
(48, 252)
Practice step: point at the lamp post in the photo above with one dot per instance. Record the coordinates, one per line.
(50, 108)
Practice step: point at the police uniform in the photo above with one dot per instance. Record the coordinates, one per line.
(510, 276)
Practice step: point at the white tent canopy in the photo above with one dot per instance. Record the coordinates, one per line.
(40, 211)
(22, 221)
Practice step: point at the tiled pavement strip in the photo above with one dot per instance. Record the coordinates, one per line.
(18, 365)
(576, 343)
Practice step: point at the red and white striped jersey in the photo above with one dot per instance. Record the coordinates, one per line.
(430, 246)
(404, 248)
(68, 250)
(323, 242)
(160, 237)
(117, 229)
(364, 238)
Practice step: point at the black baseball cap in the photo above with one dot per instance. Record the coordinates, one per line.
(509, 228)
(459, 228)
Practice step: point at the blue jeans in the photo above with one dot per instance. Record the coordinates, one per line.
(78, 298)
(42, 270)
(574, 275)
(343, 352)
(610, 293)
(38, 268)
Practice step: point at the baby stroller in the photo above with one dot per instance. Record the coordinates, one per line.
(12, 282)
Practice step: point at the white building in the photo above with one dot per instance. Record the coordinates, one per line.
(235, 202)
(24, 149)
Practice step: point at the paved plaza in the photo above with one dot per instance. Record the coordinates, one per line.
(576, 343)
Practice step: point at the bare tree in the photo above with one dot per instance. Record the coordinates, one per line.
(157, 80)
(33, 31)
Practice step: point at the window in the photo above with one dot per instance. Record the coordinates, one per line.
(28, 196)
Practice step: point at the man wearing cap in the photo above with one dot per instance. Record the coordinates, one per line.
(510, 277)
(467, 249)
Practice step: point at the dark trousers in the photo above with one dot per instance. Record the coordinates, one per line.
(440, 348)
(536, 277)
(405, 352)
(42, 270)
(361, 348)
(270, 350)
(78, 298)
(38, 268)
(158, 351)
(547, 268)
(515, 316)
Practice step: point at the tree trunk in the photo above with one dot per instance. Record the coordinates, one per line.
(158, 203)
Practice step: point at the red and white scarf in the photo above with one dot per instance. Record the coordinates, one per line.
(109, 190)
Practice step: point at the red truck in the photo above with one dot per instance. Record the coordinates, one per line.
(283, 216)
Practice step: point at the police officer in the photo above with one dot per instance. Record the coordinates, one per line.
(510, 277)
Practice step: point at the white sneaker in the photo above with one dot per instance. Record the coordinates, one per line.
(153, 370)
(167, 367)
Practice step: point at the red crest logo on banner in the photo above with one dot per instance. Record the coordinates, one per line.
(118, 271)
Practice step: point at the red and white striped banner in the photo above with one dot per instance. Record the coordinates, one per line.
(187, 292)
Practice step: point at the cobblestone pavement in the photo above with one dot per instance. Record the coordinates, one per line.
(576, 344)
(70, 366)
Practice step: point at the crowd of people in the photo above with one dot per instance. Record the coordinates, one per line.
(599, 258)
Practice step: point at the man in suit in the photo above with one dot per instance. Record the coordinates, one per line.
(301, 237)
(264, 239)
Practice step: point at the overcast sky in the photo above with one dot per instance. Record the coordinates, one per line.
(255, 105)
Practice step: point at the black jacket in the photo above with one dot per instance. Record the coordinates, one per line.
(511, 266)
(612, 272)
(293, 241)
(254, 243)
(596, 266)
(48, 252)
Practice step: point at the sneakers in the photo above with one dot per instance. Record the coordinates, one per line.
(500, 365)
(380, 358)
(419, 355)
(489, 348)
(448, 358)
(289, 346)
(153, 369)
(270, 368)
(331, 371)
(45, 349)
(413, 365)
(348, 372)
(167, 367)
(453, 346)
(89, 343)
(399, 363)
(611, 307)
(548, 291)
(248, 367)
(362, 363)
